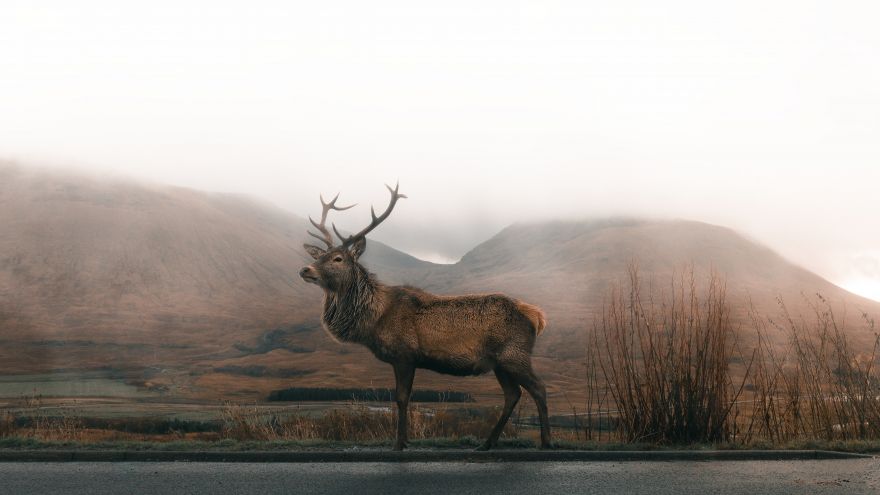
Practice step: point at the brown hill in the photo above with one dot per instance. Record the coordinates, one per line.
(567, 269)
(96, 273)
(198, 293)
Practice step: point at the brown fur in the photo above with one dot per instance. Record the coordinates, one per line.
(410, 328)
(534, 314)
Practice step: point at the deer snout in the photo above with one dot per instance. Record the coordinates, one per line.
(309, 274)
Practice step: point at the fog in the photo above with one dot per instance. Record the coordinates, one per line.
(761, 116)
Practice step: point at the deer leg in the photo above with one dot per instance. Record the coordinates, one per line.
(403, 378)
(535, 387)
(512, 393)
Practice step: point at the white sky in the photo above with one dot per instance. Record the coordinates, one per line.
(763, 116)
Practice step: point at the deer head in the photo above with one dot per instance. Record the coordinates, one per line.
(336, 266)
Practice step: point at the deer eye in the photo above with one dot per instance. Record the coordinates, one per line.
(338, 259)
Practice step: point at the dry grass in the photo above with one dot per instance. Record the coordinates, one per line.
(821, 388)
(358, 422)
(671, 370)
(32, 421)
(30, 418)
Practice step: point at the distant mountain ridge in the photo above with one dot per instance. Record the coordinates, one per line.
(97, 273)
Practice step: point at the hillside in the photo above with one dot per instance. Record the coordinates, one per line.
(98, 273)
(567, 269)
(197, 294)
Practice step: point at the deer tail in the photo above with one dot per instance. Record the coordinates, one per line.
(534, 314)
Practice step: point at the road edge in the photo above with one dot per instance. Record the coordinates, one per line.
(420, 456)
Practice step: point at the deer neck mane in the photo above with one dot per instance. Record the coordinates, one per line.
(351, 312)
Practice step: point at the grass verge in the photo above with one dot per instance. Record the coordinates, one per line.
(230, 445)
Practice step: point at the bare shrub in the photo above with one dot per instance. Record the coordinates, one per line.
(665, 362)
(822, 387)
(672, 371)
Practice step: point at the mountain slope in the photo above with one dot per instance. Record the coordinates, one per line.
(90, 260)
(568, 267)
(204, 287)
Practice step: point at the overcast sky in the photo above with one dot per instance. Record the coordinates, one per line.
(762, 116)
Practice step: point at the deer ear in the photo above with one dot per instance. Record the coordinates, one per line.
(358, 248)
(314, 251)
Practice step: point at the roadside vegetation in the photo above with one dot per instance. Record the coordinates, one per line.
(668, 367)
(31, 423)
(296, 394)
(665, 368)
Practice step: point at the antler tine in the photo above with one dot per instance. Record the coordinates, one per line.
(394, 191)
(332, 205)
(325, 236)
(376, 220)
(340, 236)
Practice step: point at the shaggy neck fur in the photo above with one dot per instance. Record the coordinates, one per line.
(352, 311)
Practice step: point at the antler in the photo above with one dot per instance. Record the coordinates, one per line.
(395, 195)
(326, 237)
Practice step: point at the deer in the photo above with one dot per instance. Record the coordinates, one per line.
(411, 329)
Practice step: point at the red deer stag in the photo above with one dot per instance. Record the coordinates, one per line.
(410, 328)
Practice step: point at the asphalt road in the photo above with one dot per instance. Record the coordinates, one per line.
(719, 477)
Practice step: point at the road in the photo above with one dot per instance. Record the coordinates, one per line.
(721, 477)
